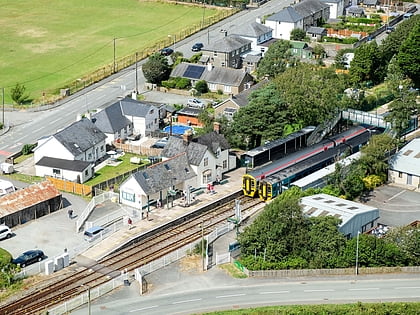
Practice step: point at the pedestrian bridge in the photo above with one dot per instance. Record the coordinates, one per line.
(365, 118)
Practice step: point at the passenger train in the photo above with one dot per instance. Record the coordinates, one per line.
(267, 180)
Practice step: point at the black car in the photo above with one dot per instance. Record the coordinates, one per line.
(29, 257)
(197, 47)
(166, 51)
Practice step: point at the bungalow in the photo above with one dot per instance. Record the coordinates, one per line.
(227, 80)
(74, 171)
(316, 33)
(300, 50)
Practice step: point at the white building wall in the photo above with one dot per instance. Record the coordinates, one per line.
(281, 30)
(404, 179)
(52, 148)
(211, 166)
(131, 194)
(64, 174)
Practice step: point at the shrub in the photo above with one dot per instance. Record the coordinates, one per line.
(183, 83)
(27, 149)
(201, 86)
(170, 84)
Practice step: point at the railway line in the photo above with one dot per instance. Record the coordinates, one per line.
(147, 248)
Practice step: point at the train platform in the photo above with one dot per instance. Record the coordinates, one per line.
(232, 182)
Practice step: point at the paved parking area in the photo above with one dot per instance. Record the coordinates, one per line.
(397, 206)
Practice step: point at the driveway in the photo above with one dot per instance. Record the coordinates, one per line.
(397, 206)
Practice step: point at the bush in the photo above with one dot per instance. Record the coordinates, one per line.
(170, 84)
(201, 87)
(27, 149)
(183, 83)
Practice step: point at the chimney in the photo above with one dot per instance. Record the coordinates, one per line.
(187, 136)
(216, 127)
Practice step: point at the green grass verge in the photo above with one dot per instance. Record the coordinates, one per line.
(108, 171)
(48, 44)
(30, 179)
(233, 271)
(342, 309)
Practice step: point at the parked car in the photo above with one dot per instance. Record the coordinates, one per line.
(166, 51)
(389, 29)
(29, 257)
(197, 47)
(93, 233)
(160, 144)
(5, 232)
(196, 103)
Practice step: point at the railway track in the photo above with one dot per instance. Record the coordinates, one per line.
(147, 249)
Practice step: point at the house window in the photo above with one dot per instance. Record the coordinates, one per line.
(90, 156)
(400, 174)
(56, 172)
(127, 196)
(222, 64)
(207, 176)
(215, 54)
(102, 148)
(206, 161)
(212, 87)
(224, 164)
(86, 172)
(151, 111)
(228, 89)
(409, 179)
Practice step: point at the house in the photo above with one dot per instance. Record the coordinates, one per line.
(207, 160)
(316, 33)
(231, 105)
(284, 22)
(336, 7)
(370, 3)
(81, 141)
(404, 166)
(227, 52)
(258, 34)
(355, 217)
(355, 11)
(227, 80)
(300, 50)
(189, 116)
(157, 182)
(314, 12)
(127, 117)
(250, 62)
(70, 170)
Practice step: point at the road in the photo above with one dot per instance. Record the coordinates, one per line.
(28, 126)
(261, 293)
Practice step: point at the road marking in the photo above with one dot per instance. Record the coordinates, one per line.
(187, 301)
(364, 289)
(144, 308)
(325, 290)
(51, 122)
(6, 153)
(398, 288)
(396, 195)
(228, 296)
(39, 129)
(274, 292)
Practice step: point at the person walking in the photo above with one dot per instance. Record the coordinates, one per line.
(130, 223)
(70, 213)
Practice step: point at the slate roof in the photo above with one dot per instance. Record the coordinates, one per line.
(253, 29)
(217, 75)
(407, 160)
(80, 136)
(288, 14)
(175, 146)
(355, 10)
(252, 58)
(111, 119)
(298, 45)
(370, 2)
(213, 141)
(316, 30)
(70, 165)
(130, 107)
(308, 7)
(330, 1)
(190, 111)
(227, 44)
(242, 99)
(165, 174)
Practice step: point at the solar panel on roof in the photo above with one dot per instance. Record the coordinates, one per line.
(194, 72)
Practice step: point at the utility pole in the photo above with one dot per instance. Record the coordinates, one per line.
(114, 55)
(202, 244)
(137, 82)
(3, 104)
(357, 253)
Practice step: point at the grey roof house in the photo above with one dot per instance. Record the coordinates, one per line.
(258, 34)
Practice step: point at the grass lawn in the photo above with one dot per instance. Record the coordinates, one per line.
(108, 171)
(48, 44)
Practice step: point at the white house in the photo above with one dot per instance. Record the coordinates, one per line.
(157, 182)
(81, 141)
(283, 22)
(404, 166)
(336, 8)
(127, 117)
(71, 170)
(258, 34)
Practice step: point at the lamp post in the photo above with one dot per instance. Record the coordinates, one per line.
(114, 67)
(170, 36)
(246, 166)
(202, 245)
(357, 253)
(137, 80)
(88, 296)
(3, 104)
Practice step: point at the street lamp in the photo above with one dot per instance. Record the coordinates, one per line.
(174, 39)
(202, 244)
(246, 166)
(88, 296)
(357, 253)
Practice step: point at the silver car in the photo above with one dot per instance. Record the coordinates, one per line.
(196, 103)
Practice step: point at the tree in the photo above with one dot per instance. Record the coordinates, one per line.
(365, 64)
(319, 51)
(408, 57)
(407, 238)
(340, 60)
(297, 34)
(18, 94)
(276, 59)
(201, 86)
(374, 155)
(156, 69)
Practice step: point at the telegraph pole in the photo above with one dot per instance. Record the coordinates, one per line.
(114, 54)
(137, 83)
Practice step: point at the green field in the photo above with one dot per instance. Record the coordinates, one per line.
(47, 45)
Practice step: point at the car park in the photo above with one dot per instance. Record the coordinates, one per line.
(29, 257)
(166, 51)
(196, 103)
(93, 233)
(5, 232)
(197, 47)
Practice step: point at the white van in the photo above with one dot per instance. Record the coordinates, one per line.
(6, 187)
(5, 232)
(93, 233)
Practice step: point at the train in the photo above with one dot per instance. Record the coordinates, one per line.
(268, 181)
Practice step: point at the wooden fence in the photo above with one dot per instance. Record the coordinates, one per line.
(137, 149)
(72, 187)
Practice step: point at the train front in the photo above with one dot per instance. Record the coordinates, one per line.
(249, 185)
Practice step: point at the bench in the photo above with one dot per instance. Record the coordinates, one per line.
(223, 181)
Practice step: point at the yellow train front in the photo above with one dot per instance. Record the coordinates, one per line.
(249, 185)
(269, 188)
